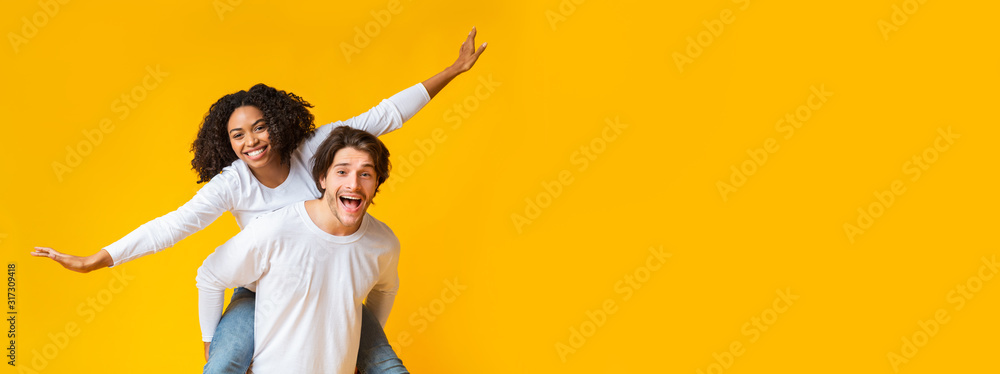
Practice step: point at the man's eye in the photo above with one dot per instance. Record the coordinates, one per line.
(365, 174)
(341, 172)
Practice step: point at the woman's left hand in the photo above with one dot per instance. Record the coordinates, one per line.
(468, 54)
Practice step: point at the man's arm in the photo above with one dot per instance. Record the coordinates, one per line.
(383, 294)
(237, 262)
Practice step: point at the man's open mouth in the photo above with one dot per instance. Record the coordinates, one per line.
(352, 203)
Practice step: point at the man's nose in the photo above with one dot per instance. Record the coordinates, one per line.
(352, 182)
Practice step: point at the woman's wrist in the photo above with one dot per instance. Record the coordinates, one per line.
(452, 71)
(99, 260)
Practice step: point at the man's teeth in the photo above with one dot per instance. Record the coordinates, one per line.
(351, 198)
(257, 152)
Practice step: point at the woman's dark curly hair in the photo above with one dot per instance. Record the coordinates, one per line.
(286, 115)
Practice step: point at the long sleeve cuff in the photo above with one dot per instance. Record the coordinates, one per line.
(209, 312)
(125, 250)
(410, 100)
(116, 254)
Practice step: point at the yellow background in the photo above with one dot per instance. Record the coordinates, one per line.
(654, 185)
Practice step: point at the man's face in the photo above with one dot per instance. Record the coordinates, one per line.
(350, 185)
(249, 137)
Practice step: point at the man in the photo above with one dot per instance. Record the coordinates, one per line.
(313, 263)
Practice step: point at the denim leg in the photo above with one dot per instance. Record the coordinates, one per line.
(232, 344)
(375, 355)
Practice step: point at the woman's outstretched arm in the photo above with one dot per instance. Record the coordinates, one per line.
(101, 259)
(390, 114)
(211, 201)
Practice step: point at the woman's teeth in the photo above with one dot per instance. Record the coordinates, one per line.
(257, 152)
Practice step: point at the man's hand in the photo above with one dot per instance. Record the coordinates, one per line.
(87, 264)
(207, 344)
(467, 54)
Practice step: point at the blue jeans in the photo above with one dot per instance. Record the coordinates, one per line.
(232, 345)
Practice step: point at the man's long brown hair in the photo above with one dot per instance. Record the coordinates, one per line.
(346, 137)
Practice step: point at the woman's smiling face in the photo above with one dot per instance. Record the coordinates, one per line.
(248, 135)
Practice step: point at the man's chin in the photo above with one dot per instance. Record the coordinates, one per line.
(351, 219)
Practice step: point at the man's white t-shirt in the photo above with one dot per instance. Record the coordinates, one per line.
(310, 286)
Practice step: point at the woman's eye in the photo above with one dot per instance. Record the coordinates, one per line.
(260, 128)
(237, 136)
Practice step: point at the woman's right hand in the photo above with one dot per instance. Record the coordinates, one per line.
(87, 264)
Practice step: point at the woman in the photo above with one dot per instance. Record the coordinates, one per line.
(254, 149)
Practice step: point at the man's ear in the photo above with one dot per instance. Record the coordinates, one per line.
(322, 182)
